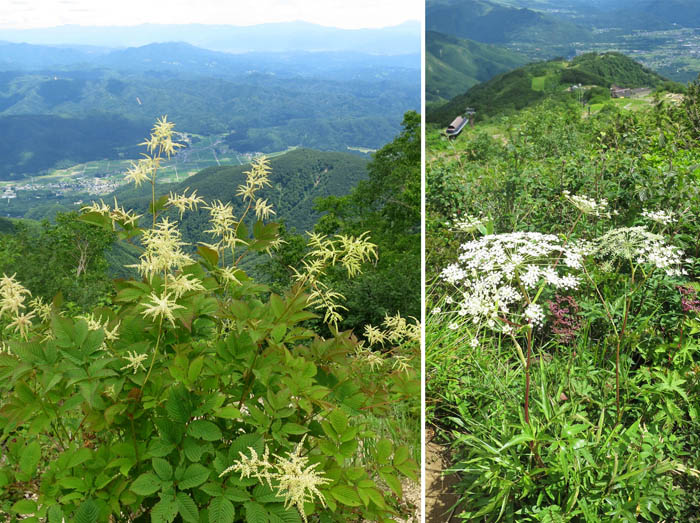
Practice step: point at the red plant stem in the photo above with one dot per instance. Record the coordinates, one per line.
(527, 376)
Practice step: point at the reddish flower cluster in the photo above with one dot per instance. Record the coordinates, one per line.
(689, 299)
(566, 323)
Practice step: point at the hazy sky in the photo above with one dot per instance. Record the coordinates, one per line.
(348, 14)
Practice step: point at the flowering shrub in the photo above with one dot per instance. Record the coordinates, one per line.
(197, 394)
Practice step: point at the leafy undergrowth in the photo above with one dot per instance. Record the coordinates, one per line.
(563, 328)
(198, 395)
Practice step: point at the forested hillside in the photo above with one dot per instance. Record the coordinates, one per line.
(533, 83)
(453, 65)
(297, 179)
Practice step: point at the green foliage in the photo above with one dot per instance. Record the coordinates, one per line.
(388, 205)
(67, 258)
(196, 393)
(593, 415)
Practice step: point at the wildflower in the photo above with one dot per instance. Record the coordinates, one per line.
(298, 481)
(135, 361)
(566, 322)
(163, 251)
(496, 273)
(223, 224)
(291, 475)
(140, 171)
(402, 363)
(183, 202)
(534, 315)
(474, 343)
(374, 360)
(22, 323)
(257, 178)
(161, 139)
(263, 210)
(689, 299)
(467, 224)
(42, 310)
(588, 205)
(436, 310)
(12, 295)
(374, 335)
(161, 307)
(453, 326)
(92, 323)
(662, 217)
(229, 274)
(112, 335)
(638, 245)
(185, 283)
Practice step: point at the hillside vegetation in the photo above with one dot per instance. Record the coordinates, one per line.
(453, 65)
(563, 312)
(297, 179)
(533, 83)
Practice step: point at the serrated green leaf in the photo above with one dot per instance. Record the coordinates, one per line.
(221, 510)
(55, 514)
(146, 484)
(236, 495)
(392, 481)
(194, 476)
(255, 513)
(24, 506)
(400, 455)
(228, 412)
(165, 510)
(277, 305)
(162, 468)
(346, 495)
(187, 508)
(339, 420)
(203, 429)
(87, 513)
(294, 428)
(192, 449)
(30, 457)
(178, 405)
(384, 450)
(210, 255)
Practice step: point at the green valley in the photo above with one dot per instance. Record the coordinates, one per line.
(453, 65)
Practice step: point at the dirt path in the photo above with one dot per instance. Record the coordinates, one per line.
(439, 495)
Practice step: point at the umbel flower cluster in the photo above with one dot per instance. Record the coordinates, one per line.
(291, 475)
(640, 247)
(499, 278)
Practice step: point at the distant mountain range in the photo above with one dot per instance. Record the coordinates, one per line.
(65, 105)
(585, 14)
(277, 37)
(495, 23)
(180, 57)
(533, 83)
(453, 65)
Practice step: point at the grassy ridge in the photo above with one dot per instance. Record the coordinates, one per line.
(532, 83)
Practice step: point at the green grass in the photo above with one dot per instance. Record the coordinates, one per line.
(538, 83)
